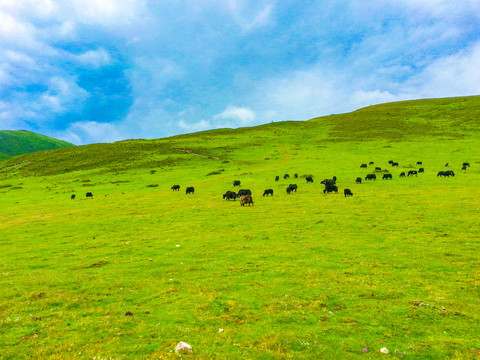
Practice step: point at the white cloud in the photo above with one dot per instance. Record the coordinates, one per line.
(63, 93)
(95, 58)
(92, 131)
(361, 98)
(240, 115)
(197, 126)
(454, 75)
(105, 12)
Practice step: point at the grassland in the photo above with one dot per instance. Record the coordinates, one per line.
(300, 276)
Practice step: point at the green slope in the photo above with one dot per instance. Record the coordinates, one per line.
(13, 143)
(401, 121)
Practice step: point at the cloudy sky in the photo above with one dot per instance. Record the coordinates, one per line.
(91, 71)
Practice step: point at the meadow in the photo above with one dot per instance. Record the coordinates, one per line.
(305, 275)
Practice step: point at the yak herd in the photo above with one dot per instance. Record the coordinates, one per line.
(245, 195)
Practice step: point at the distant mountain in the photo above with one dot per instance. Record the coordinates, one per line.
(13, 143)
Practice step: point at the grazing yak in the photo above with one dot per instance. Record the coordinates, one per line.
(370, 177)
(295, 176)
(331, 181)
(72, 197)
(402, 174)
(230, 195)
(347, 192)
(446, 173)
(293, 187)
(243, 192)
(371, 163)
(268, 192)
(308, 179)
(176, 187)
(395, 164)
(387, 177)
(378, 169)
(412, 172)
(363, 165)
(189, 190)
(421, 170)
(246, 199)
(447, 164)
(419, 163)
(390, 162)
(358, 180)
(277, 178)
(89, 195)
(236, 182)
(286, 176)
(330, 188)
(465, 164)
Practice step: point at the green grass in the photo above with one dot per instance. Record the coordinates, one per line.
(301, 276)
(13, 143)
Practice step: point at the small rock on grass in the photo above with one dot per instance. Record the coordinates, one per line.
(183, 347)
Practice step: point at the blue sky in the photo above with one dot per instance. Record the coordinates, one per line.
(90, 71)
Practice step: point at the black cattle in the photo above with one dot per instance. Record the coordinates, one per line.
(176, 187)
(446, 173)
(236, 182)
(72, 197)
(330, 188)
(329, 181)
(363, 165)
(387, 176)
(395, 164)
(246, 199)
(230, 195)
(378, 169)
(358, 180)
(447, 164)
(419, 163)
(295, 176)
(402, 174)
(371, 163)
(309, 179)
(464, 167)
(242, 192)
(412, 172)
(288, 190)
(347, 192)
(89, 195)
(465, 164)
(189, 190)
(286, 176)
(277, 178)
(421, 170)
(268, 192)
(293, 187)
(370, 177)
(390, 162)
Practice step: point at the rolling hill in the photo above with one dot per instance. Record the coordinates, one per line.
(138, 267)
(14, 143)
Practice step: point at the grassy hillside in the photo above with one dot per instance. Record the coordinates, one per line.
(305, 275)
(13, 143)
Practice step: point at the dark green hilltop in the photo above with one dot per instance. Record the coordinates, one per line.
(14, 143)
